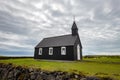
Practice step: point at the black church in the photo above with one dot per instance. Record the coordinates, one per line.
(65, 47)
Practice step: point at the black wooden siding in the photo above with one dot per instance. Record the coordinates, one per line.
(56, 53)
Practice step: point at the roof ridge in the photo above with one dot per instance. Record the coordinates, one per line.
(57, 36)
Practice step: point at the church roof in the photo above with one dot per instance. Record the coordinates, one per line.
(64, 40)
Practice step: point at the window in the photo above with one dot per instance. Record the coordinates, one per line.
(50, 51)
(63, 50)
(40, 51)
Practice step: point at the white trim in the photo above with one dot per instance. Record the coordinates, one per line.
(50, 51)
(78, 52)
(63, 50)
(40, 51)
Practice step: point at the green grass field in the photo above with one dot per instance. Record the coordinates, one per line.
(103, 66)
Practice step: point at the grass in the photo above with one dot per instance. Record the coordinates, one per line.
(103, 59)
(103, 66)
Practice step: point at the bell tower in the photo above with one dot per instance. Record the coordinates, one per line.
(74, 29)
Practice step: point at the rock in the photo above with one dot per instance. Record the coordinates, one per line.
(10, 75)
(92, 78)
(76, 76)
(26, 76)
(33, 75)
(22, 77)
(5, 75)
(44, 76)
(31, 70)
(50, 77)
(39, 77)
(66, 77)
(17, 73)
(1, 70)
(58, 78)
(83, 79)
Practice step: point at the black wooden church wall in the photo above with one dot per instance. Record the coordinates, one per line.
(56, 53)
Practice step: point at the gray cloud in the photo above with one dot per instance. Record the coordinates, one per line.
(24, 23)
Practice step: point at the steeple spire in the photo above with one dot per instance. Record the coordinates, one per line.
(74, 29)
(74, 18)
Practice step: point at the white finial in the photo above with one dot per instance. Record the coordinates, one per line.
(74, 17)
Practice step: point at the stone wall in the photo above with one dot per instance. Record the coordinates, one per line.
(10, 72)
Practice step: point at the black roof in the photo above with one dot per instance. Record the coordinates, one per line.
(64, 40)
(74, 26)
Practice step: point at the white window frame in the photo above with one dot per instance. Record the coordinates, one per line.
(63, 52)
(50, 52)
(40, 51)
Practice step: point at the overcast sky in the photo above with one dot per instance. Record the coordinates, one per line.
(24, 23)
